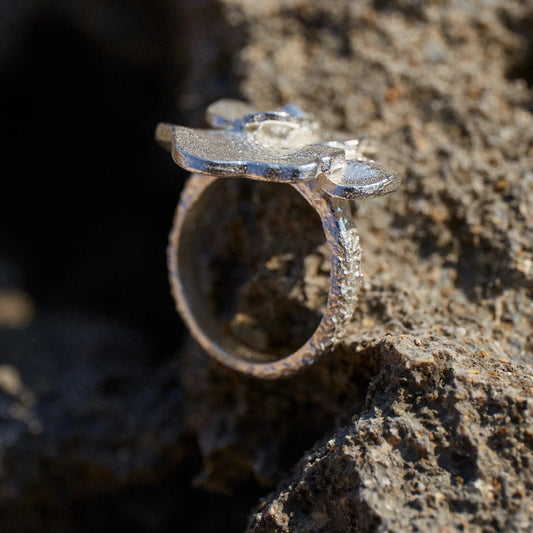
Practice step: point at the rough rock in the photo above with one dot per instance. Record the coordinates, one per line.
(443, 443)
(444, 88)
(253, 431)
(83, 414)
(433, 83)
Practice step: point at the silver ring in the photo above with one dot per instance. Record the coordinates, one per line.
(288, 146)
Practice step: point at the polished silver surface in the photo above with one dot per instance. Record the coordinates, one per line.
(285, 145)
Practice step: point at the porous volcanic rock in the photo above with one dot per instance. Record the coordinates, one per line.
(445, 440)
(443, 87)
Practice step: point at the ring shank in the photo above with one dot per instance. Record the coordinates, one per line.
(192, 298)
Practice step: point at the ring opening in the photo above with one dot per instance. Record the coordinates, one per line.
(254, 268)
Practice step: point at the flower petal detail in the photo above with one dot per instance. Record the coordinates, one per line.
(285, 144)
(360, 179)
(229, 153)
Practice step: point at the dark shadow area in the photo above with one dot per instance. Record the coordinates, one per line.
(86, 203)
(87, 197)
(521, 66)
(88, 200)
(169, 506)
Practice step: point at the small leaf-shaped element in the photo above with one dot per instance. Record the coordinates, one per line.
(360, 179)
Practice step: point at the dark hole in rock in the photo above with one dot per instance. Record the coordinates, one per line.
(458, 462)
(86, 213)
(521, 66)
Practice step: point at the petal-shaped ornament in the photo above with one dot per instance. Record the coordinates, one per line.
(230, 153)
(360, 179)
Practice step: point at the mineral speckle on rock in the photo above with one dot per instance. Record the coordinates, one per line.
(444, 88)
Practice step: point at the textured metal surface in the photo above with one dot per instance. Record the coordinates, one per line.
(285, 145)
(345, 256)
(230, 153)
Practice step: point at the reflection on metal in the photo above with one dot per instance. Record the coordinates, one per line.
(284, 145)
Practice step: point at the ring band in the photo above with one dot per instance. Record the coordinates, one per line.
(291, 149)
